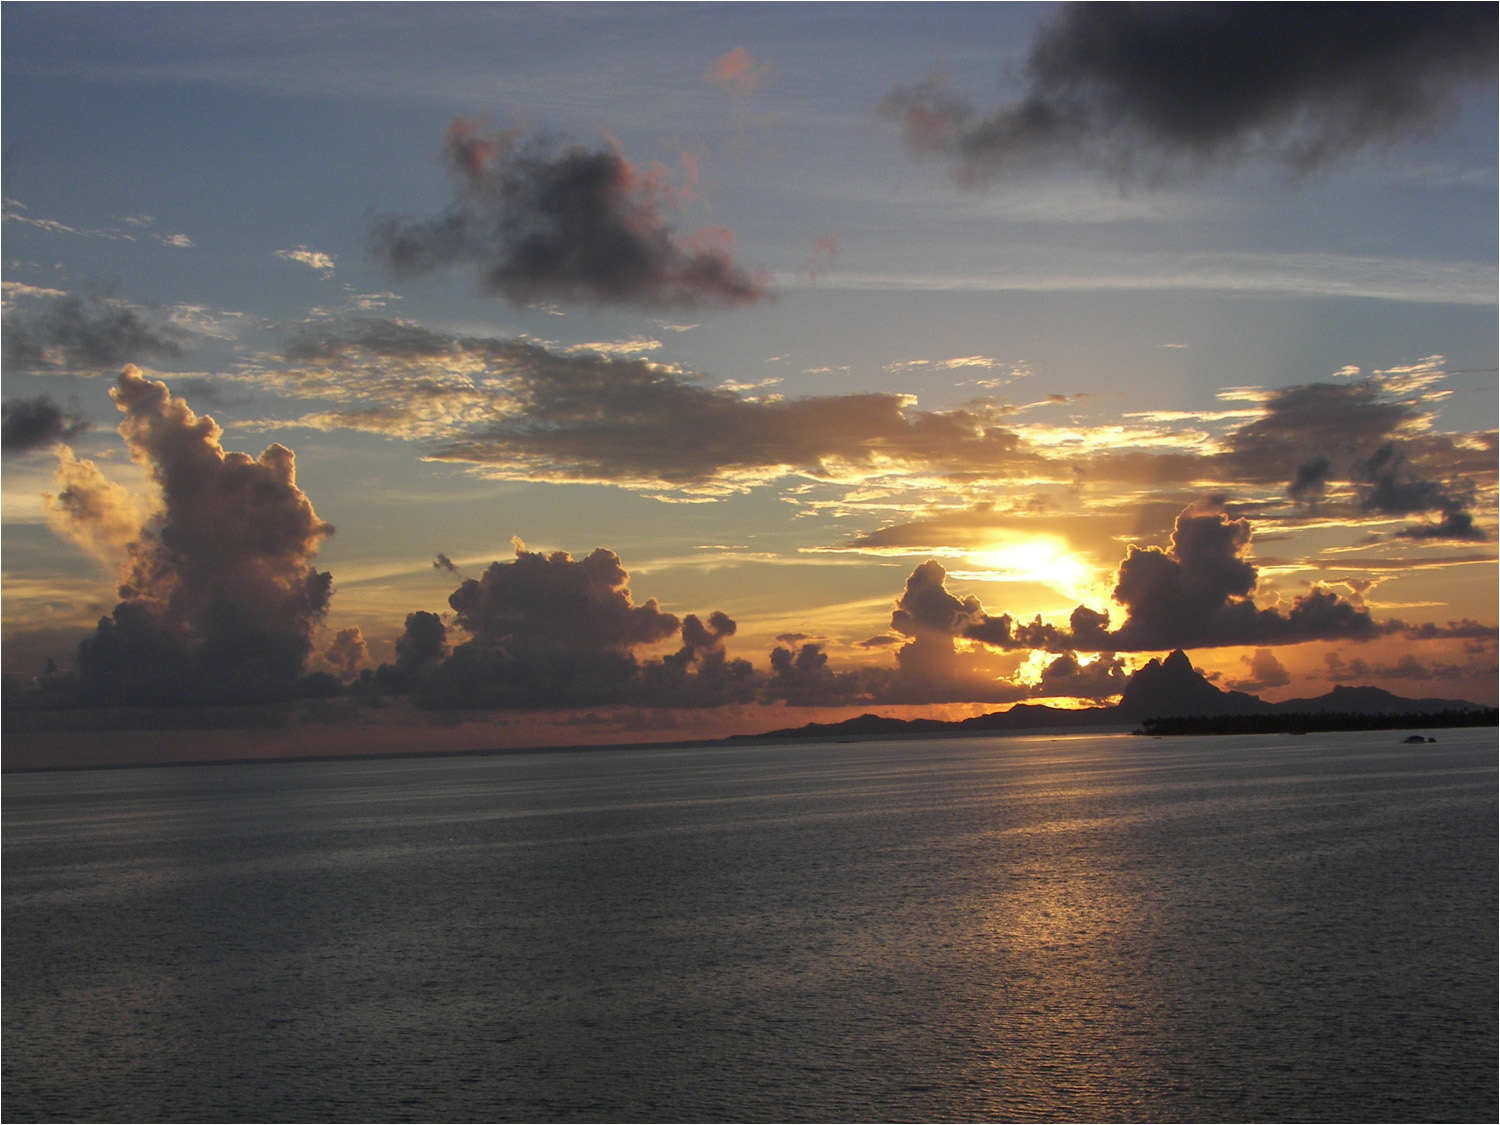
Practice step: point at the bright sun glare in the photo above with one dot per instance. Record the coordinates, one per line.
(1046, 559)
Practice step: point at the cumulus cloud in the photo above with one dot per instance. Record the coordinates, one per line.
(92, 511)
(86, 335)
(1195, 593)
(802, 678)
(29, 424)
(219, 600)
(1098, 680)
(347, 651)
(1147, 92)
(546, 222)
(1265, 672)
(700, 673)
(930, 667)
(549, 630)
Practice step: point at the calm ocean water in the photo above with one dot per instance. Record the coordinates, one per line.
(1080, 928)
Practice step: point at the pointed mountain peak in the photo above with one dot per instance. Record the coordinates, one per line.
(1172, 688)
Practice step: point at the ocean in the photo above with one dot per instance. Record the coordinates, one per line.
(1076, 927)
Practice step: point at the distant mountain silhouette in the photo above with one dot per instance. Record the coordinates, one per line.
(1163, 690)
(1369, 701)
(1172, 687)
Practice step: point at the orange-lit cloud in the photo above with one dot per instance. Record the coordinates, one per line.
(736, 72)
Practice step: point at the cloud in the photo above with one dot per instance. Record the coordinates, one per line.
(92, 511)
(700, 673)
(1265, 672)
(1365, 447)
(347, 651)
(1389, 485)
(313, 259)
(1406, 667)
(930, 667)
(1151, 93)
(525, 412)
(544, 222)
(86, 335)
(802, 678)
(1197, 593)
(736, 72)
(219, 600)
(1098, 680)
(520, 411)
(30, 424)
(547, 630)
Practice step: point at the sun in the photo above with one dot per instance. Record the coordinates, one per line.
(1044, 559)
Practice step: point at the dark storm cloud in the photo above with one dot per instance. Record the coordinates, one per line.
(1148, 91)
(30, 424)
(220, 601)
(87, 335)
(544, 222)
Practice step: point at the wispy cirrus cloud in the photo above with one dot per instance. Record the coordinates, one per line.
(14, 211)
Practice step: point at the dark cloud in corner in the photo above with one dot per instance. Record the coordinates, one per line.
(85, 334)
(30, 424)
(219, 603)
(547, 222)
(1147, 92)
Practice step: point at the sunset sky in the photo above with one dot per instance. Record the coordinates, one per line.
(636, 372)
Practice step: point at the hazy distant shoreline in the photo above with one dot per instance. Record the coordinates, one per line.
(831, 732)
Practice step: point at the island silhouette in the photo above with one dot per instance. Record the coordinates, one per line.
(1171, 697)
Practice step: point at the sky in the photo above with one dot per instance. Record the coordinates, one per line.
(453, 376)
